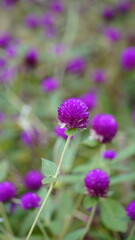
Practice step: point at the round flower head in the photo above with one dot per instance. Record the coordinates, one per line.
(30, 137)
(7, 191)
(130, 209)
(33, 180)
(73, 113)
(30, 200)
(98, 76)
(76, 65)
(109, 13)
(113, 34)
(109, 154)
(123, 6)
(127, 58)
(32, 21)
(5, 40)
(57, 6)
(97, 183)
(31, 58)
(104, 127)
(50, 84)
(60, 132)
(90, 99)
(10, 3)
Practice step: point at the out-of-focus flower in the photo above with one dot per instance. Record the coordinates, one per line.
(30, 200)
(57, 6)
(32, 21)
(47, 19)
(130, 210)
(7, 191)
(76, 65)
(31, 58)
(98, 76)
(60, 132)
(3, 63)
(104, 127)
(2, 117)
(90, 99)
(10, 3)
(97, 183)
(5, 40)
(113, 34)
(109, 154)
(50, 84)
(7, 75)
(123, 6)
(73, 113)
(127, 58)
(33, 180)
(30, 137)
(109, 13)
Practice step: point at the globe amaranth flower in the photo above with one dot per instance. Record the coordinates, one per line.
(50, 84)
(109, 154)
(109, 13)
(130, 210)
(127, 58)
(31, 58)
(57, 6)
(76, 65)
(123, 6)
(32, 21)
(97, 183)
(90, 99)
(113, 34)
(104, 127)
(10, 3)
(5, 40)
(33, 180)
(30, 200)
(60, 132)
(98, 76)
(7, 191)
(73, 113)
(30, 137)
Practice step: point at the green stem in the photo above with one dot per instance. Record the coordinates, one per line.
(87, 228)
(6, 222)
(50, 188)
(131, 232)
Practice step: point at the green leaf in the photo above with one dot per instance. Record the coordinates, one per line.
(90, 202)
(48, 168)
(112, 213)
(125, 153)
(90, 143)
(50, 180)
(123, 178)
(4, 168)
(71, 132)
(75, 235)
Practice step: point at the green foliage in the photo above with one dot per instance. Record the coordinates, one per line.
(90, 202)
(48, 168)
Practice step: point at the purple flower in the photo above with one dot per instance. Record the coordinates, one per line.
(60, 132)
(50, 84)
(127, 58)
(2, 63)
(32, 21)
(99, 76)
(30, 200)
(97, 183)
(7, 75)
(47, 19)
(5, 40)
(7, 191)
(104, 127)
(123, 6)
(33, 180)
(76, 65)
(73, 113)
(109, 154)
(109, 13)
(57, 6)
(113, 34)
(10, 3)
(130, 210)
(90, 99)
(30, 137)
(2, 117)
(31, 58)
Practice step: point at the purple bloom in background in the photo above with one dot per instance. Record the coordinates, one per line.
(60, 132)
(30, 200)
(98, 76)
(97, 183)
(113, 34)
(127, 58)
(2, 117)
(10, 3)
(30, 137)
(109, 13)
(5, 40)
(50, 84)
(109, 154)
(58, 49)
(76, 65)
(31, 58)
(130, 210)
(90, 99)
(47, 19)
(33, 180)
(32, 21)
(123, 6)
(57, 6)
(2, 63)
(104, 127)
(73, 113)
(7, 191)
(7, 75)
